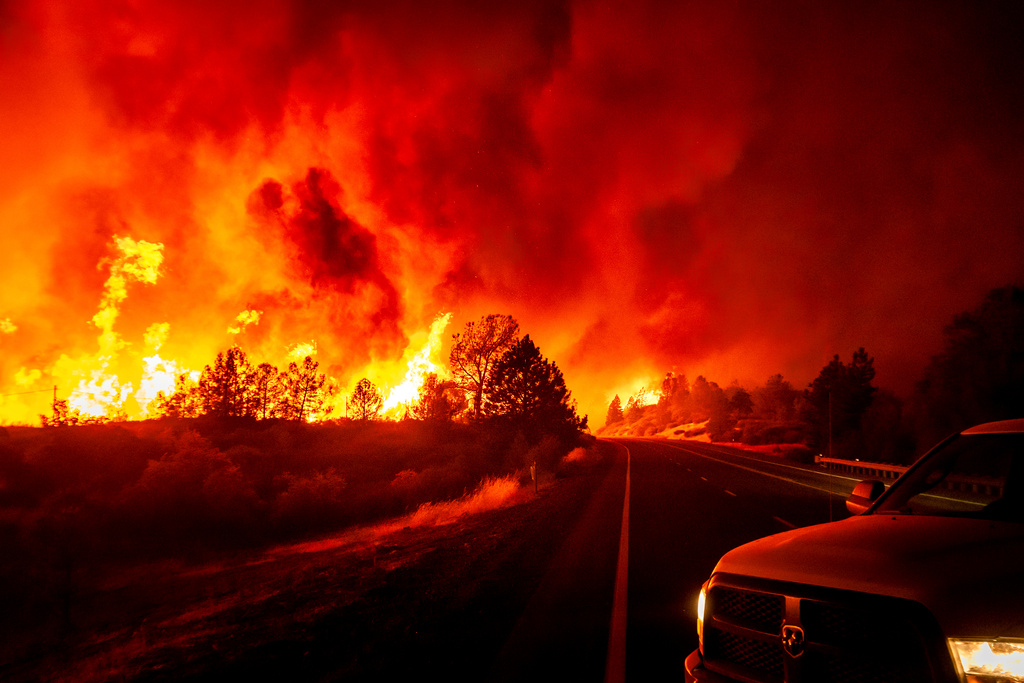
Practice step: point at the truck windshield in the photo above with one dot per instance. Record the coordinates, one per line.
(977, 475)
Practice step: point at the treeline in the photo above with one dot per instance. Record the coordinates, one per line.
(231, 387)
(498, 382)
(496, 376)
(978, 377)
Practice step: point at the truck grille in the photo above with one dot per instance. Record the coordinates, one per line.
(834, 636)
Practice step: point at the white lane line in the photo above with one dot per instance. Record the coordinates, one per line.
(783, 522)
(615, 666)
(729, 492)
(751, 469)
(780, 464)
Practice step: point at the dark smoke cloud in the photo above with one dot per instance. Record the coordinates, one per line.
(332, 251)
(738, 188)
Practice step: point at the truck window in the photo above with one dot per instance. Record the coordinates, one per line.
(979, 475)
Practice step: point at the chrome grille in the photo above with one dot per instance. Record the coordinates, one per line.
(758, 611)
(849, 637)
(752, 655)
(744, 636)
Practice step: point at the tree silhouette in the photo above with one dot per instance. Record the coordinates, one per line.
(225, 386)
(62, 416)
(979, 374)
(476, 350)
(529, 389)
(185, 401)
(776, 400)
(635, 407)
(366, 401)
(615, 413)
(439, 400)
(303, 390)
(741, 404)
(836, 401)
(708, 399)
(268, 391)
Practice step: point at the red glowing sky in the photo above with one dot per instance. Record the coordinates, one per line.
(735, 189)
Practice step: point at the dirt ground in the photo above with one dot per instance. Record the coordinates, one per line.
(370, 604)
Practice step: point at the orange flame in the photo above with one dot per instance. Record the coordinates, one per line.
(99, 391)
(120, 383)
(419, 366)
(244, 319)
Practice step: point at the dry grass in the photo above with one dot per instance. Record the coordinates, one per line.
(492, 493)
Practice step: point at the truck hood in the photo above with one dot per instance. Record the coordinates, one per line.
(968, 572)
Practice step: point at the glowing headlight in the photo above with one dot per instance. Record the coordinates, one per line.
(1000, 660)
(701, 604)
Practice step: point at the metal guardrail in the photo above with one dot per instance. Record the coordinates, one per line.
(987, 486)
(871, 469)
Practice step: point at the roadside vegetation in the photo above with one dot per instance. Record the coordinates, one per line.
(977, 377)
(247, 456)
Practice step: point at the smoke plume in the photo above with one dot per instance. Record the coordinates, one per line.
(720, 188)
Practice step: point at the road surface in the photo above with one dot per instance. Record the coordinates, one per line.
(690, 503)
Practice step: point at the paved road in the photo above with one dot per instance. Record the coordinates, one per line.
(690, 503)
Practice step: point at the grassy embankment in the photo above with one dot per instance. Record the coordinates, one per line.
(76, 502)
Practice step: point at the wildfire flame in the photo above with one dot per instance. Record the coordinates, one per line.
(102, 383)
(244, 319)
(302, 349)
(99, 391)
(644, 397)
(419, 366)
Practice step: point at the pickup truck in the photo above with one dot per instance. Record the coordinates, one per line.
(925, 582)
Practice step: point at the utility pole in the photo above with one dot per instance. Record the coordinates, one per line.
(830, 422)
(830, 451)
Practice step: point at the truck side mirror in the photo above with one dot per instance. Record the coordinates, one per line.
(864, 494)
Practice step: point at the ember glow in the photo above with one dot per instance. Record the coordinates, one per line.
(707, 188)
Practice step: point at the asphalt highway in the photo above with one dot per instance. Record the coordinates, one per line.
(689, 503)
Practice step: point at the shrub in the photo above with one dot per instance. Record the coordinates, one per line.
(311, 503)
(193, 495)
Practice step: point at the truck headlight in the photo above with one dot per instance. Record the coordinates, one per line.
(702, 601)
(998, 660)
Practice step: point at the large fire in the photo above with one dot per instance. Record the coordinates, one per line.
(120, 381)
(642, 185)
